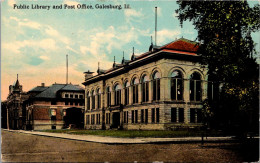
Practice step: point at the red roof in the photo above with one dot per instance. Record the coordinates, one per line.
(182, 45)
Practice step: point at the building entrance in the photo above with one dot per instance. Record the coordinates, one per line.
(116, 120)
(74, 118)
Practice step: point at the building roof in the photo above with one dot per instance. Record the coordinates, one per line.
(181, 47)
(51, 91)
(182, 44)
(38, 89)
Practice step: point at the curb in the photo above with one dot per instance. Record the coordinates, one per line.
(113, 140)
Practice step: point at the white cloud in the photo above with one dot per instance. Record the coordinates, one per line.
(166, 34)
(30, 24)
(17, 45)
(44, 57)
(133, 13)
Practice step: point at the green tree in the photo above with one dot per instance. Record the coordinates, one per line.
(227, 50)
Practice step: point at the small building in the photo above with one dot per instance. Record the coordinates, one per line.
(162, 89)
(14, 106)
(55, 107)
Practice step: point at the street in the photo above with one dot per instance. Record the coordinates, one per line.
(19, 147)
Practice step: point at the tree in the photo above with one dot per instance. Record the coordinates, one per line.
(227, 50)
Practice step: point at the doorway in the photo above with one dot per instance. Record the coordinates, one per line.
(116, 120)
(74, 118)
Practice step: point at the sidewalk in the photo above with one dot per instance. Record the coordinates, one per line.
(114, 140)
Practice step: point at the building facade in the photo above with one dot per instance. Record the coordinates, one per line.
(55, 107)
(15, 113)
(162, 89)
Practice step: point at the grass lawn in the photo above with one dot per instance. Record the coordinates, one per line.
(133, 134)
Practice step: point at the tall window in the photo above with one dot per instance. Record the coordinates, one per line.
(195, 115)
(177, 115)
(176, 85)
(108, 96)
(117, 94)
(126, 91)
(145, 88)
(98, 98)
(135, 90)
(156, 86)
(93, 99)
(195, 87)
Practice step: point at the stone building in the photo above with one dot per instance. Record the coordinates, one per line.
(159, 90)
(55, 107)
(14, 106)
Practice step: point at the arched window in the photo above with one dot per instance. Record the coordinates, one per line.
(135, 83)
(195, 87)
(127, 85)
(156, 85)
(98, 98)
(117, 94)
(145, 88)
(88, 101)
(93, 99)
(176, 85)
(108, 91)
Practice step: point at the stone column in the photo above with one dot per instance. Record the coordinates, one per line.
(186, 98)
(139, 93)
(130, 95)
(204, 89)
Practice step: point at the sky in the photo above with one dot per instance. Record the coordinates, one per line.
(35, 42)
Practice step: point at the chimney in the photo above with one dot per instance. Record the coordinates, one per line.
(43, 84)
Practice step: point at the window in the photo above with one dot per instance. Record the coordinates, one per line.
(93, 99)
(76, 96)
(93, 119)
(125, 116)
(88, 101)
(157, 115)
(66, 95)
(153, 115)
(176, 85)
(136, 116)
(177, 115)
(133, 116)
(126, 91)
(142, 116)
(108, 96)
(195, 87)
(156, 86)
(195, 115)
(98, 119)
(146, 115)
(98, 98)
(135, 90)
(71, 95)
(181, 114)
(145, 88)
(107, 118)
(117, 94)
(71, 103)
(87, 119)
(66, 103)
(81, 96)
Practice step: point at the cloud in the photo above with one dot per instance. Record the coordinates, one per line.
(16, 46)
(166, 34)
(46, 58)
(133, 13)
